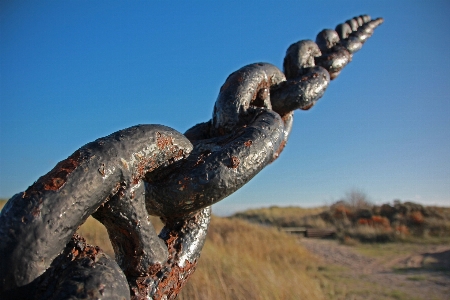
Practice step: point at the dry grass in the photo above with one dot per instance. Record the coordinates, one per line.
(242, 261)
(245, 261)
(283, 216)
(95, 233)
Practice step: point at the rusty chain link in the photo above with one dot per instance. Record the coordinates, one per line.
(147, 170)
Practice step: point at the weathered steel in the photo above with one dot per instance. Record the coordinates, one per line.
(38, 223)
(236, 148)
(147, 170)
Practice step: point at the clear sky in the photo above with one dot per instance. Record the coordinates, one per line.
(74, 71)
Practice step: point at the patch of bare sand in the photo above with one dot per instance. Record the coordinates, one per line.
(422, 274)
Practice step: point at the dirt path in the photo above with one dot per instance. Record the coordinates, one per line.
(419, 273)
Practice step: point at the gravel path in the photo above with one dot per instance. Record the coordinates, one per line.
(424, 274)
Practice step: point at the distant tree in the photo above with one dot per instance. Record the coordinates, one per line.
(357, 199)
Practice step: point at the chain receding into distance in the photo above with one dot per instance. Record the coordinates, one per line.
(146, 170)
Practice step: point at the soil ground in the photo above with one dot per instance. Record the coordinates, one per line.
(391, 271)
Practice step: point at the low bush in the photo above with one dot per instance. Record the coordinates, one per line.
(354, 217)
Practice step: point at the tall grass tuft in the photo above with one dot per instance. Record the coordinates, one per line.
(246, 261)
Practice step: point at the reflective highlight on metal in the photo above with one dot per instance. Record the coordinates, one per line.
(147, 170)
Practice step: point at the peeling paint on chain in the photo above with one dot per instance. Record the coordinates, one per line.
(57, 177)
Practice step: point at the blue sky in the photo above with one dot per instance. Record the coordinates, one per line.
(74, 71)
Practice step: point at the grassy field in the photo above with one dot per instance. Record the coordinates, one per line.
(243, 260)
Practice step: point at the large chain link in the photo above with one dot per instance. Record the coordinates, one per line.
(147, 170)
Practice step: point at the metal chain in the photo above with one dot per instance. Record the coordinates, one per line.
(147, 170)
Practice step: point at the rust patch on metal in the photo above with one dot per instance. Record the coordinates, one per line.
(172, 284)
(170, 278)
(163, 141)
(181, 153)
(184, 183)
(81, 250)
(144, 166)
(248, 143)
(201, 158)
(147, 165)
(57, 177)
(200, 161)
(234, 162)
(140, 287)
(169, 286)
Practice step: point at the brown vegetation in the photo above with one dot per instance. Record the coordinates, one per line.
(242, 261)
(281, 216)
(355, 218)
(246, 261)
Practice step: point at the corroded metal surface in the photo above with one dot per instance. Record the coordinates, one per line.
(242, 137)
(147, 170)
